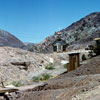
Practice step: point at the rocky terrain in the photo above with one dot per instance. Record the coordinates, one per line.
(81, 84)
(77, 35)
(17, 64)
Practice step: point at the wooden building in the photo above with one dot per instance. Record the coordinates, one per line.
(59, 45)
(74, 61)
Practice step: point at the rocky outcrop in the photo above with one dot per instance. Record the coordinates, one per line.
(22, 64)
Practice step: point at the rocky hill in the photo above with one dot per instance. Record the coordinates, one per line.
(79, 34)
(7, 39)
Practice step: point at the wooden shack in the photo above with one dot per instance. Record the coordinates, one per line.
(59, 45)
(74, 61)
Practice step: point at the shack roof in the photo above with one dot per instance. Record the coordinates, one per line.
(60, 41)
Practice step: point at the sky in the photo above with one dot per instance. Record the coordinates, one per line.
(34, 20)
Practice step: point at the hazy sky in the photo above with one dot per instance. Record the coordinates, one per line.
(33, 20)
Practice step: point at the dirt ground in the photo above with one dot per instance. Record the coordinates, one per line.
(62, 89)
(81, 84)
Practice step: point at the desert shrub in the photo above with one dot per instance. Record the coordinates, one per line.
(17, 83)
(36, 78)
(45, 77)
(83, 57)
(50, 66)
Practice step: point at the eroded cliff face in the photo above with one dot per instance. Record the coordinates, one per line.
(80, 33)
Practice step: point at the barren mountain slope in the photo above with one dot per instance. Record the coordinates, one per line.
(7, 39)
(79, 34)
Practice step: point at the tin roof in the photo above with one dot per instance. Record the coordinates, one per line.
(59, 41)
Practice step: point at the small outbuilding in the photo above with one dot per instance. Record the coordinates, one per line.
(59, 45)
(74, 61)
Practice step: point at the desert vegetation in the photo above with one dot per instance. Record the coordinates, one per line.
(43, 77)
(50, 66)
(17, 83)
